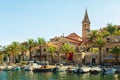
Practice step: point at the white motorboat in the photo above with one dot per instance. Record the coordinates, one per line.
(8, 68)
(95, 70)
(30, 67)
(108, 70)
(71, 69)
(84, 69)
(2, 67)
(61, 68)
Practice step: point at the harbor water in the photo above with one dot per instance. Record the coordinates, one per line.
(29, 75)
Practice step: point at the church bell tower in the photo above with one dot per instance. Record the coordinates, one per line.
(85, 26)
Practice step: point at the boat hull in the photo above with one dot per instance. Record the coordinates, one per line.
(43, 70)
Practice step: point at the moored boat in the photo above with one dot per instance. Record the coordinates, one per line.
(108, 71)
(30, 67)
(61, 68)
(44, 69)
(84, 69)
(2, 67)
(8, 68)
(95, 70)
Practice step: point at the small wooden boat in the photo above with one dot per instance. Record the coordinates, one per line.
(44, 69)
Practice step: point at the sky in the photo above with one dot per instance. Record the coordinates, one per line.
(21, 20)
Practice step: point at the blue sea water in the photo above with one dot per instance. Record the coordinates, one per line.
(25, 75)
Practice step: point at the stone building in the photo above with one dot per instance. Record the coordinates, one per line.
(72, 39)
(112, 41)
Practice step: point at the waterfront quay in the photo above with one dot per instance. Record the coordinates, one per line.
(59, 72)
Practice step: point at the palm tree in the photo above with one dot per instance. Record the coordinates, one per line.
(67, 48)
(115, 50)
(41, 42)
(1, 56)
(16, 48)
(24, 49)
(31, 44)
(13, 49)
(96, 38)
(6, 52)
(92, 37)
(1, 53)
(100, 43)
(52, 50)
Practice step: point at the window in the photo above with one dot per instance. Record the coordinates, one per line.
(44, 50)
(108, 40)
(107, 49)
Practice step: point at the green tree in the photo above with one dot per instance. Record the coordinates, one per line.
(117, 32)
(10, 49)
(13, 49)
(104, 33)
(111, 29)
(100, 42)
(115, 50)
(67, 48)
(92, 37)
(24, 49)
(31, 44)
(96, 38)
(1, 53)
(16, 49)
(52, 50)
(6, 52)
(41, 42)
